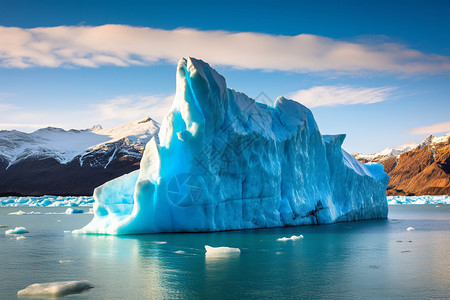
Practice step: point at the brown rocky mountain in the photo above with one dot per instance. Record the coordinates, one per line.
(422, 170)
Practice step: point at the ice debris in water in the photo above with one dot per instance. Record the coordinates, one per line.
(17, 230)
(55, 289)
(292, 238)
(219, 251)
(71, 211)
(410, 228)
(45, 201)
(225, 162)
(20, 238)
(439, 199)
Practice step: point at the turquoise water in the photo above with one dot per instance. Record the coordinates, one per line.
(358, 260)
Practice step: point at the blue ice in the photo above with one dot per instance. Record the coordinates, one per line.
(226, 162)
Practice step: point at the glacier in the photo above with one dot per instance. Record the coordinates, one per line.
(227, 162)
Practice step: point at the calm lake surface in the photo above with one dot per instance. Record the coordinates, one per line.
(357, 260)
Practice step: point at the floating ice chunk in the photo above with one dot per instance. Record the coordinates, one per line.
(64, 261)
(20, 238)
(292, 238)
(219, 251)
(410, 228)
(19, 213)
(55, 289)
(161, 243)
(17, 230)
(180, 252)
(71, 211)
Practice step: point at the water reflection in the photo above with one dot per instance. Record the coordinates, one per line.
(347, 260)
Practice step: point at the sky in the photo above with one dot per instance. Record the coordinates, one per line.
(378, 71)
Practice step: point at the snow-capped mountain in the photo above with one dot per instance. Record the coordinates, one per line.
(421, 169)
(28, 158)
(385, 154)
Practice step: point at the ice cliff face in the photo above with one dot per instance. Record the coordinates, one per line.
(226, 162)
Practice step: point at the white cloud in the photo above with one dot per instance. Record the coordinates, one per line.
(108, 113)
(122, 45)
(340, 95)
(432, 129)
(134, 107)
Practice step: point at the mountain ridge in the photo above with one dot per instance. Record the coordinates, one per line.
(70, 162)
(420, 170)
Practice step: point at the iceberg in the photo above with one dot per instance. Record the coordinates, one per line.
(227, 162)
(221, 251)
(17, 230)
(55, 289)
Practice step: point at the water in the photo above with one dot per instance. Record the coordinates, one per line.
(358, 260)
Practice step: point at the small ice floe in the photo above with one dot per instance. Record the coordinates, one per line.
(410, 228)
(17, 230)
(180, 252)
(20, 238)
(58, 220)
(18, 213)
(71, 211)
(221, 251)
(55, 289)
(161, 243)
(292, 238)
(64, 261)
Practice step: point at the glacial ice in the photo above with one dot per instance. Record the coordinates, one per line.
(47, 201)
(17, 230)
(292, 238)
(226, 162)
(71, 211)
(441, 199)
(55, 289)
(221, 251)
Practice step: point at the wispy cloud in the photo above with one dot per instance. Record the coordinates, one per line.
(432, 129)
(329, 95)
(6, 106)
(109, 113)
(122, 45)
(133, 107)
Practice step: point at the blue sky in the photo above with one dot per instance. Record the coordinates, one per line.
(378, 71)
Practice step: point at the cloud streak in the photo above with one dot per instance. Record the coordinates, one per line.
(108, 113)
(432, 129)
(134, 107)
(122, 45)
(329, 95)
